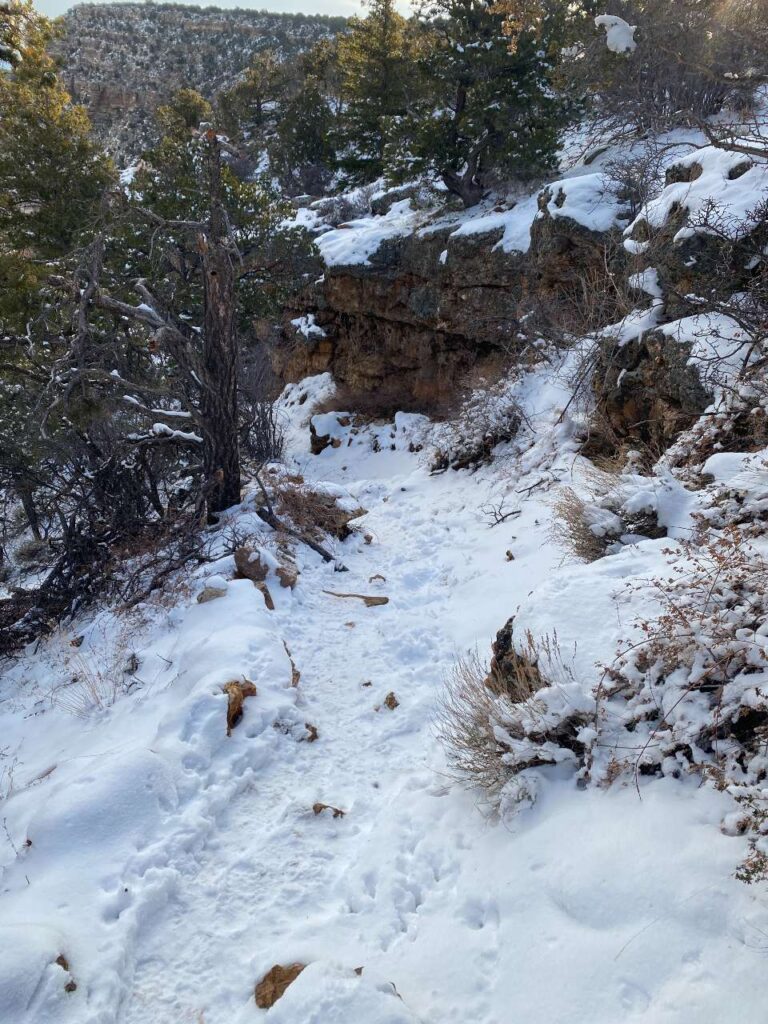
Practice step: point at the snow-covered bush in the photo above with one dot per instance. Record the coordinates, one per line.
(488, 416)
(693, 689)
(525, 711)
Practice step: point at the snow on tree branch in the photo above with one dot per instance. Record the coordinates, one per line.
(619, 36)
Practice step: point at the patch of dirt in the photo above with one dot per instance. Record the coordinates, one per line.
(274, 983)
(369, 600)
(318, 808)
(237, 692)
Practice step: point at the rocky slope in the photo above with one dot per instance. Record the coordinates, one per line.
(121, 60)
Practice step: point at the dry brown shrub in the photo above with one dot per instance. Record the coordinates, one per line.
(92, 682)
(313, 512)
(610, 452)
(571, 528)
(469, 709)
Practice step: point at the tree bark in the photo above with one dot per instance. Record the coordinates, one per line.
(218, 403)
(469, 191)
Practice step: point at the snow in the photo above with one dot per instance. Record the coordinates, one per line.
(128, 174)
(515, 222)
(719, 346)
(619, 36)
(584, 195)
(587, 199)
(734, 468)
(153, 868)
(726, 185)
(356, 241)
(163, 430)
(327, 992)
(173, 865)
(306, 326)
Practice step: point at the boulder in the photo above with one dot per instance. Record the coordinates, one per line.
(249, 565)
(646, 391)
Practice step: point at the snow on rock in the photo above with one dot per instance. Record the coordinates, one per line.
(325, 992)
(32, 983)
(619, 36)
(719, 346)
(588, 199)
(307, 326)
(737, 470)
(356, 241)
(516, 223)
(710, 176)
(298, 401)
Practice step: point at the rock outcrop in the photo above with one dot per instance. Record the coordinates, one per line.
(430, 308)
(646, 390)
(413, 320)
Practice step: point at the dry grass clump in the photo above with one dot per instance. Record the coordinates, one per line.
(471, 709)
(573, 530)
(465, 726)
(610, 453)
(90, 687)
(314, 513)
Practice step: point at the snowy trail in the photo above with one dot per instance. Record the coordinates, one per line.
(185, 864)
(593, 908)
(276, 878)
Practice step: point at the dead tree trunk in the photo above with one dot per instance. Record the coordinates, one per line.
(218, 403)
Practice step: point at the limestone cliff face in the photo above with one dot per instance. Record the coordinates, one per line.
(414, 320)
(431, 307)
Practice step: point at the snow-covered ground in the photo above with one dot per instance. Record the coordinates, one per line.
(167, 866)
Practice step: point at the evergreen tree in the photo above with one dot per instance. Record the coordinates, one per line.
(484, 111)
(252, 107)
(377, 64)
(186, 111)
(22, 32)
(302, 151)
(192, 255)
(302, 154)
(52, 179)
(51, 174)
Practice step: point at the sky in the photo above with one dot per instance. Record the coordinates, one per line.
(347, 7)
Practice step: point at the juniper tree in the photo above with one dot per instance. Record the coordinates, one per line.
(376, 60)
(484, 111)
(252, 106)
(51, 173)
(191, 256)
(52, 177)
